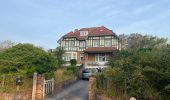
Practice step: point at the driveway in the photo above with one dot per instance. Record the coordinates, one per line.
(77, 91)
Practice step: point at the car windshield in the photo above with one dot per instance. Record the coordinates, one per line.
(86, 71)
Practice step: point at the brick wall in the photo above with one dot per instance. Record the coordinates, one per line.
(78, 58)
(39, 87)
(91, 86)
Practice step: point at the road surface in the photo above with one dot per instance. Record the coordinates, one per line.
(76, 91)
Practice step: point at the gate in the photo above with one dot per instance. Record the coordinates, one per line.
(48, 87)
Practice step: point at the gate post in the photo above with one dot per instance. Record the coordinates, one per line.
(40, 86)
(43, 88)
(91, 86)
(34, 86)
(52, 85)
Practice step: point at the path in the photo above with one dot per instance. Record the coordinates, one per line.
(77, 91)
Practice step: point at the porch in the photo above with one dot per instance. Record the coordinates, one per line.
(96, 60)
(98, 57)
(96, 65)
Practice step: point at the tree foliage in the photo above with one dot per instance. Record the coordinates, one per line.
(58, 54)
(143, 69)
(26, 59)
(136, 40)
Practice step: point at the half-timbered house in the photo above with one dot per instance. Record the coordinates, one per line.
(90, 46)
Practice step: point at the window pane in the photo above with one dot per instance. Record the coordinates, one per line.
(74, 56)
(107, 43)
(66, 43)
(82, 44)
(100, 58)
(71, 43)
(95, 43)
(96, 58)
(83, 33)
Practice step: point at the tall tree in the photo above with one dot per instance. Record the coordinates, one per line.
(136, 40)
(123, 40)
(58, 54)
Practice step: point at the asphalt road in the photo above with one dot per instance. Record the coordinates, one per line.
(77, 91)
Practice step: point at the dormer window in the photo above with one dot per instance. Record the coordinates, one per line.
(83, 33)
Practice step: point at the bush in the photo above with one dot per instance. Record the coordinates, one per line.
(27, 59)
(73, 61)
(73, 68)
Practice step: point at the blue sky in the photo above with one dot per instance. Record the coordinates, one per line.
(43, 22)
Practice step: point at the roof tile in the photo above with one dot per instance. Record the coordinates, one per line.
(93, 31)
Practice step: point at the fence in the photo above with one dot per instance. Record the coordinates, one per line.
(48, 87)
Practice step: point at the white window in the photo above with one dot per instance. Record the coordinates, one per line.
(82, 44)
(83, 33)
(107, 43)
(102, 57)
(66, 44)
(102, 42)
(67, 57)
(95, 43)
(71, 43)
(74, 55)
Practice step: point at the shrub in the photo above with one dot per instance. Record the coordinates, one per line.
(73, 68)
(27, 59)
(73, 61)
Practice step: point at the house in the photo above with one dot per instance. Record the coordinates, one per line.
(90, 46)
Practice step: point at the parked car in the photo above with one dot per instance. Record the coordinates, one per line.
(86, 73)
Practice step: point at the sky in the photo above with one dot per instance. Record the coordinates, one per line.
(43, 22)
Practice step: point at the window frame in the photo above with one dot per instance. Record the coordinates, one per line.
(96, 43)
(108, 43)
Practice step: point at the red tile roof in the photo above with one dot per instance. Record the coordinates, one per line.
(93, 31)
(100, 49)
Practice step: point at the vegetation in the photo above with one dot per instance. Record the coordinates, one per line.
(142, 69)
(58, 54)
(73, 62)
(73, 68)
(135, 40)
(62, 74)
(27, 59)
(8, 83)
